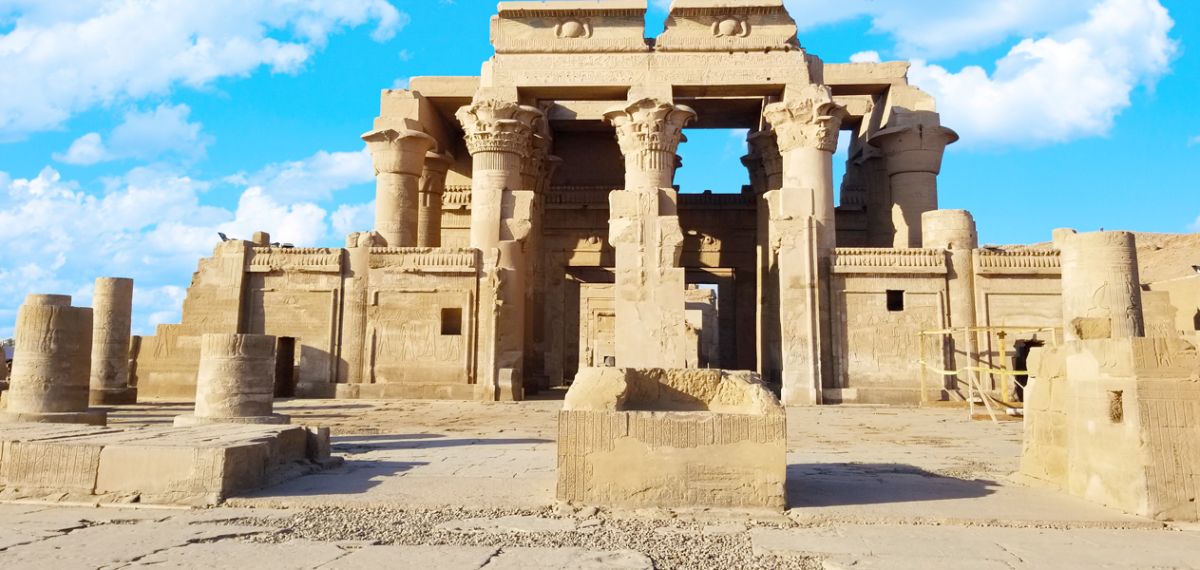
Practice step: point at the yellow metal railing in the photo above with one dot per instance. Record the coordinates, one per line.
(970, 372)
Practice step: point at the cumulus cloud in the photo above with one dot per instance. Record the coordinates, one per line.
(151, 224)
(865, 57)
(1070, 84)
(143, 135)
(68, 57)
(938, 28)
(313, 178)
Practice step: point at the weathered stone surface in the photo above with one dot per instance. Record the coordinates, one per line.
(201, 465)
(671, 438)
(112, 306)
(236, 381)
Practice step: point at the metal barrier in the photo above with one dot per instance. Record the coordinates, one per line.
(971, 371)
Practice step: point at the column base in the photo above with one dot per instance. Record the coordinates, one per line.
(190, 420)
(89, 417)
(113, 397)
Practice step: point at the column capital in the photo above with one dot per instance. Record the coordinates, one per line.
(914, 142)
(438, 162)
(650, 125)
(807, 119)
(495, 125)
(398, 151)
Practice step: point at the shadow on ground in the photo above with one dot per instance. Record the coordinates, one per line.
(356, 444)
(844, 484)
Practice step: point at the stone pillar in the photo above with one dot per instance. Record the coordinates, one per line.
(768, 164)
(499, 137)
(1102, 294)
(399, 157)
(644, 229)
(51, 364)
(356, 278)
(433, 185)
(803, 236)
(236, 381)
(881, 230)
(955, 232)
(913, 143)
(112, 315)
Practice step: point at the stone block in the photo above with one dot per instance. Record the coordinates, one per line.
(671, 438)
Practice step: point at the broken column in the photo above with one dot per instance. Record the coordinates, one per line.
(235, 382)
(644, 229)
(50, 366)
(955, 232)
(1102, 293)
(803, 235)
(433, 185)
(112, 314)
(913, 143)
(498, 133)
(399, 158)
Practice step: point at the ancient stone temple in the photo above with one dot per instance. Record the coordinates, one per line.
(528, 225)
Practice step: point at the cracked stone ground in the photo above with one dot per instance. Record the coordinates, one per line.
(470, 485)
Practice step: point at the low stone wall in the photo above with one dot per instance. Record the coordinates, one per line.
(1117, 422)
(672, 438)
(193, 466)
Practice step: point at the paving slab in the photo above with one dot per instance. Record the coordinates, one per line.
(417, 557)
(115, 545)
(295, 555)
(568, 559)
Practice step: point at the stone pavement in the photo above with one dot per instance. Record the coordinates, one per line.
(469, 485)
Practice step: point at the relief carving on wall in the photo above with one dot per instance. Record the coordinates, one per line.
(573, 28)
(731, 27)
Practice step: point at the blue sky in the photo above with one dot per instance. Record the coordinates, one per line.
(131, 132)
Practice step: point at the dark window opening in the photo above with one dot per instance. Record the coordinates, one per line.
(452, 322)
(895, 301)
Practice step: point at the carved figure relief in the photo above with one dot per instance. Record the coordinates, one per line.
(731, 27)
(573, 28)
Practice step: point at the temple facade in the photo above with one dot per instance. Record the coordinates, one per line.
(528, 225)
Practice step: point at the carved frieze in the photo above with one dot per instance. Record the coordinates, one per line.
(889, 261)
(1020, 262)
(425, 260)
(269, 259)
(701, 25)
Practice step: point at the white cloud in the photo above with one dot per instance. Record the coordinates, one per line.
(940, 28)
(142, 135)
(1070, 84)
(151, 224)
(314, 178)
(865, 57)
(1194, 140)
(68, 57)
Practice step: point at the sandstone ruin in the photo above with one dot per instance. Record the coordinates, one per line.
(671, 438)
(529, 235)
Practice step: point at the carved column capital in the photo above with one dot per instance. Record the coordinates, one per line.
(914, 142)
(398, 151)
(808, 119)
(650, 125)
(494, 125)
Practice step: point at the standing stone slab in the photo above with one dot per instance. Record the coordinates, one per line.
(671, 438)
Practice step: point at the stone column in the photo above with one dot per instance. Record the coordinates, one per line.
(433, 185)
(644, 230)
(112, 314)
(803, 236)
(51, 364)
(913, 143)
(1102, 294)
(236, 381)
(356, 279)
(955, 232)
(499, 137)
(881, 230)
(768, 163)
(399, 157)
